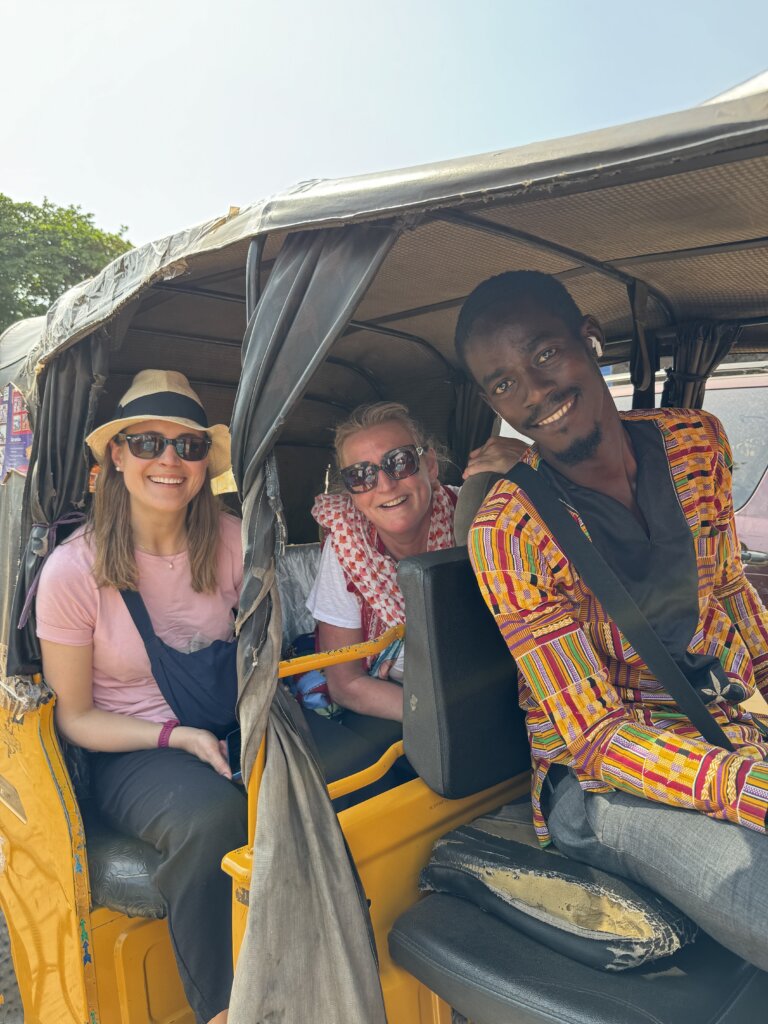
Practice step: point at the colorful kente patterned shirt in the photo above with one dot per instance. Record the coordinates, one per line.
(590, 702)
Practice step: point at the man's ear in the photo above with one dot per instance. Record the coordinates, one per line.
(591, 334)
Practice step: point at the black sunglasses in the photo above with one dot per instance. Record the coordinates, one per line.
(398, 464)
(151, 445)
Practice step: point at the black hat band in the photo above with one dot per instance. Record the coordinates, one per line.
(162, 404)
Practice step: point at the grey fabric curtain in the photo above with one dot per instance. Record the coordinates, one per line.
(701, 345)
(57, 483)
(307, 954)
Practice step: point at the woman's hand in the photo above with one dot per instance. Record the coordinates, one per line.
(384, 668)
(202, 744)
(497, 455)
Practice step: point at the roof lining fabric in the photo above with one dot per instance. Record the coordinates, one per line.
(317, 282)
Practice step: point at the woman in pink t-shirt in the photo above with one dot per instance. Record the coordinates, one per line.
(136, 623)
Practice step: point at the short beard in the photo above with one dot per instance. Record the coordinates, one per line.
(582, 449)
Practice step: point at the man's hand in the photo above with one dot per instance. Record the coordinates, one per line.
(202, 744)
(497, 455)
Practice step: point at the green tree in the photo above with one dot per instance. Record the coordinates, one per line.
(44, 250)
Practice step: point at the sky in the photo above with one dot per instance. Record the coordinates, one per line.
(159, 114)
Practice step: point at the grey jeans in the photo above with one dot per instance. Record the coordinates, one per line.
(715, 872)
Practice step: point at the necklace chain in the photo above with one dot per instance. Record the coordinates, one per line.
(168, 559)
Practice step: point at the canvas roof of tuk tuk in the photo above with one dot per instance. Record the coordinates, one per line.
(678, 200)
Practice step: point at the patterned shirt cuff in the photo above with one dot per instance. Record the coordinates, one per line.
(752, 798)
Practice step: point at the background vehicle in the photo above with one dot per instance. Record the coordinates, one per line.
(284, 315)
(736, 395)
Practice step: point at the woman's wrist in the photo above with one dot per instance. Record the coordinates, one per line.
(180, 737)
(165, 732)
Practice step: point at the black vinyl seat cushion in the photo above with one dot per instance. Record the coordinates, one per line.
(121, 869)
(493, 974)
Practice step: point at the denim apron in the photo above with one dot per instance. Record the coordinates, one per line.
(201, 687)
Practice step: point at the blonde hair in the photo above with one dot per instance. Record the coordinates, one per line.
(366, 416)
(110, 527)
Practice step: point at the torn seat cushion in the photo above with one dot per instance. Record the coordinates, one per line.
(599, 919)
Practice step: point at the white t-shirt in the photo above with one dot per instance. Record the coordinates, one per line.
(330, 601)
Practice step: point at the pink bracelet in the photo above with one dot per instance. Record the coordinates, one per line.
(165, 732)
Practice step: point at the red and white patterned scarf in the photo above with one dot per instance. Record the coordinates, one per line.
(371, 572)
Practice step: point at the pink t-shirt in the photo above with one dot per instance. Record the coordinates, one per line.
(72, 610)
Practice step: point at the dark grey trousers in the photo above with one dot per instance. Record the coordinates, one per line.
(192, 816)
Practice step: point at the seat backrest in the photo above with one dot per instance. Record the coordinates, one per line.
(462, 726)
(296, 570)
(471, 497)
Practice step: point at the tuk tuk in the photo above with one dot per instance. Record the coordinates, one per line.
(285, 315)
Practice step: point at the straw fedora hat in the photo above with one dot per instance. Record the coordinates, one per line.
(163, 395)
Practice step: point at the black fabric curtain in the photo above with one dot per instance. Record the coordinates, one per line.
(304, 896)
(644, 357)
(471, 423)
(56, 487)
(701, 345)
(11, 505)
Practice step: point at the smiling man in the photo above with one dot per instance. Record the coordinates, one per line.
(621, 779)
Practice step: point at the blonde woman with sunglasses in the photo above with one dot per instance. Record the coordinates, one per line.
(392, 506)
(136, 624)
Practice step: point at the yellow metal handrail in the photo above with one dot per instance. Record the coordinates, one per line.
(307, 662)
(341, 787)
(294, 666)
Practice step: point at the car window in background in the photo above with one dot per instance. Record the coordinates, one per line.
(743, 413)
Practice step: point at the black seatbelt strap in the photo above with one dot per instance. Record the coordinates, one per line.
(617, 601)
